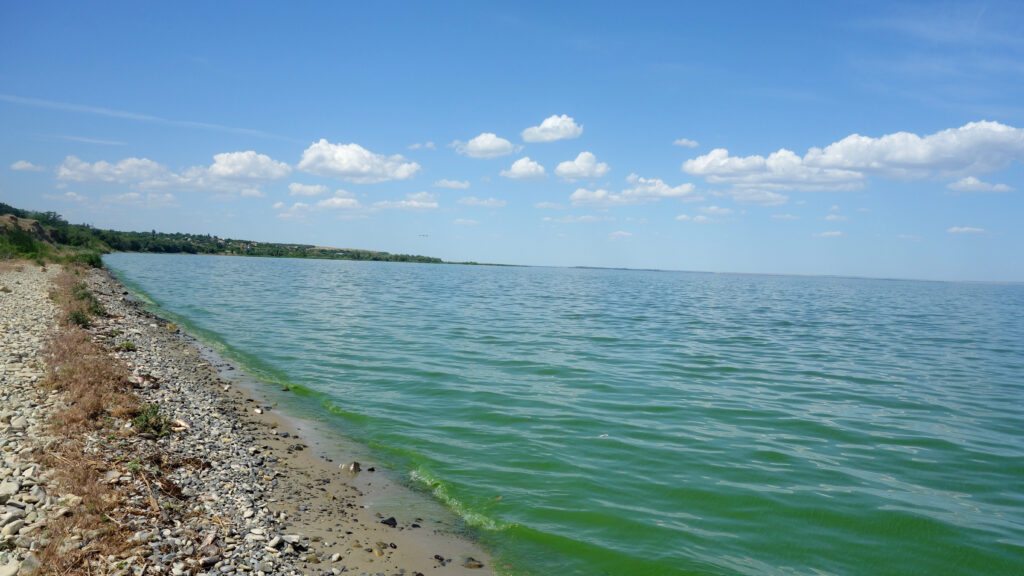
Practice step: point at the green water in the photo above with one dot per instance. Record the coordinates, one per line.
(633, 422)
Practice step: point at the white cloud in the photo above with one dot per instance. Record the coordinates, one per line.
(278, 205)
(424, 146)
(978, 147)
(464, 222)
(833, 208)
(482, 203)
(965, 230)
(455, 184)
(600, 197)
(643, 191)
(339, 203)
(252, 193)
(296, 189)
(835, 218)
(655, 188)
(247, 165)
(486, 145)
(354, 163)
(26, 166)
(784, 217)
(972, 184)
(584, 166)
(149, 200)
(417, 201)
(699, 219)
(553, 128)
(570, 219)
(715, 210)
(127, 170)
(832, 234)
(782, 170)
(686, 143)
(525, 169)
(619, 235)
(549, 206)
(237, 172)
(754, 196)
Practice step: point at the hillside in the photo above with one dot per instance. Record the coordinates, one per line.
(48, 236)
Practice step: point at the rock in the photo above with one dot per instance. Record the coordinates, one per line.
(9, 487)
(473, 563)
(19, 423)
(30, 563)
(13, 528)
(10, 569)
(390, 521)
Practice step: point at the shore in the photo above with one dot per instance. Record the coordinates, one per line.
(240, 490)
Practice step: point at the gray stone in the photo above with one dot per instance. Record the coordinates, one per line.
(9, 487)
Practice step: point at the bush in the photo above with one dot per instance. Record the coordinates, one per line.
(125, 347)
(78, 318)
(152, 421)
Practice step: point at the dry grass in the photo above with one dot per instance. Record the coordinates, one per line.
(98, 392)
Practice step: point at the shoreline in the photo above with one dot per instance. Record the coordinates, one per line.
(266, 492)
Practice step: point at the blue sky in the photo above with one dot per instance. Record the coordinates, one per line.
(872, 139)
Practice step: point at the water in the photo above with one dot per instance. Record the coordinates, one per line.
(633, 422)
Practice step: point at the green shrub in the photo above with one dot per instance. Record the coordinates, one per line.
(125, 347)
(79, 318)
(152, 421)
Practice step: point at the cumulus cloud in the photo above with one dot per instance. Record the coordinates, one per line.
(424, 146)
(128, 170)
(296, 189)
(150, 200)
(525, 169)
(26, 166)
(342, 202)
(715, 210)
(549, 206)
(455, 184)
(237, 172)
(835, 218)
(354, 163)
(642, 191)
(553, 128)
(972, 184)
(686, 143)
(965, 230)
(976, 147)
(831, 234)
(465, 222)
(584, 166)
(252, 193)
(754, 196)
(486, 145)
(570, 219)
(247, 165)
(782, 170)
(699, 219)
(619, 235)
(784, 217)
(482, 203)
(417, 201)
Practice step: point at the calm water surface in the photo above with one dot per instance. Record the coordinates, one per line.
(632, 422)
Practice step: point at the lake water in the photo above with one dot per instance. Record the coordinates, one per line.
(639, 422)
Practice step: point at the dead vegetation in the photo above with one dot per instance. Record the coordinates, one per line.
(98, 396)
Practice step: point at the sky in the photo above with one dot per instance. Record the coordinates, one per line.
(841, 138)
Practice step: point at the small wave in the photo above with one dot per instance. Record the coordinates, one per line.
(440, 491)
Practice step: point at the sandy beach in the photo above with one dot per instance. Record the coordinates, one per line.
(237, 488)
